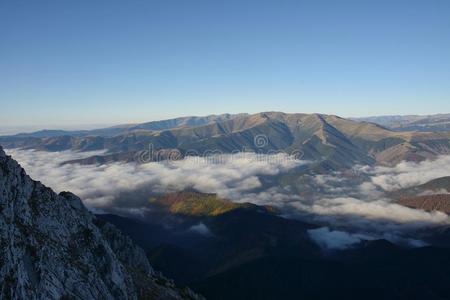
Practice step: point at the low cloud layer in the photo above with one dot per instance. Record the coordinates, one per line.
(407, 174)
(349, 206)
(378, 210)
(329, 239)
(202, 229)
(100, 185)
(335, 239)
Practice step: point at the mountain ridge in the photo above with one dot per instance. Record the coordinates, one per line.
(335, 140)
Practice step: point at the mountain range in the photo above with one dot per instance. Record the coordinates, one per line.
(331, 141)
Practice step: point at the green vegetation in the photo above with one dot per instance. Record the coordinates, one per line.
(205, 205)
(200, 204)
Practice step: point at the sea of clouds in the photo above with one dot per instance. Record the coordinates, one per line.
(102, 186)
(348, 210)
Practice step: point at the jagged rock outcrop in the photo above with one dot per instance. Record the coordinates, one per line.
(52, 247)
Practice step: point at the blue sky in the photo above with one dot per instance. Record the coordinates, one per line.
(104, 62)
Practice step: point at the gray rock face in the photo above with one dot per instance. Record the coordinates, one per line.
(52, 247)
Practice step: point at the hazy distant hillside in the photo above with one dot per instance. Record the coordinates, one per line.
(121, 129)
(334, 141)
(439, 122)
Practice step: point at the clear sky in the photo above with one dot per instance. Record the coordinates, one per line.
(85, 62)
